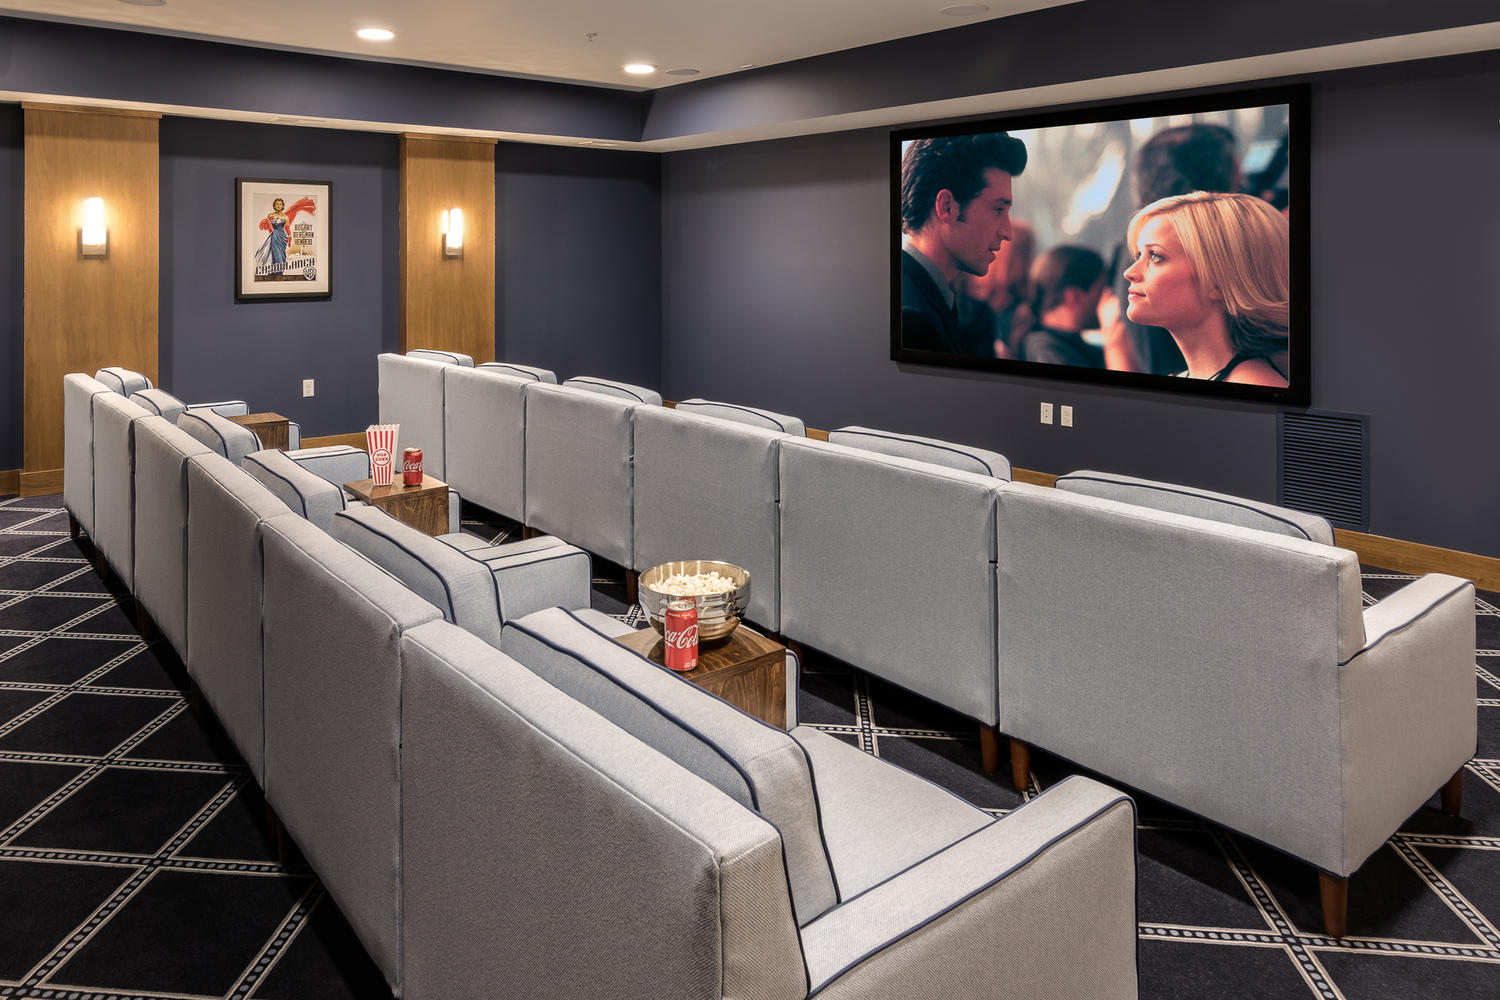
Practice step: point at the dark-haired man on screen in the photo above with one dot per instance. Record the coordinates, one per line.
(955, 214)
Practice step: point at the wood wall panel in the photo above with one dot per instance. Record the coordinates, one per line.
(448, 303)
(81, 315)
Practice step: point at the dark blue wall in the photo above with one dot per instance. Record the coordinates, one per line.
(578, 279)
(12, 262)
(777, 294)
(213, 347)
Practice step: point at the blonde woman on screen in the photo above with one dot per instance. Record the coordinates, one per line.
(1213, 269)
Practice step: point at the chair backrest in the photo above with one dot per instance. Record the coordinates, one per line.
(1168, 650)
(78, 446)
(122, 380)
(526, 372)
(305, 493)
(411, 394)
(757, 765)
(222, 435)
(161, 524)
(114, 481)
(579, 476)
(227, 511)
(461, 587)
(622, 390)
(1199, 503)
(888, 563)
(442, 357)
(708, 488)
(332, 625)
(963, 457)
(531, 803)
(765, 419)
(160, 402)
(484, 425)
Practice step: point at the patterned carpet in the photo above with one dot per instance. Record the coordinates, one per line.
(135, 860)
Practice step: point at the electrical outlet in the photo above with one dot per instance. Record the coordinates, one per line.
(1046, 413)
(307, 387)
(1066, 416)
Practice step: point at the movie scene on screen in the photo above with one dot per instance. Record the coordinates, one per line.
(1156, 250)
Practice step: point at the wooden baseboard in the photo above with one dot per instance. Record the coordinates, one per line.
(10, 481)
(40, 484)
(1413, 557)
(356, 440)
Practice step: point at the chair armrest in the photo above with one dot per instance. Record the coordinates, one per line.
(293, 435)
(339, 464)
(455, 516)
(537, 573)
(1007, 906)
(1411, 603)
(224, 408)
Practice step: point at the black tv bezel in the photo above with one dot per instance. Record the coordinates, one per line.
(1297, 99)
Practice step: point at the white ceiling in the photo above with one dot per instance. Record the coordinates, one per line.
(540, 39)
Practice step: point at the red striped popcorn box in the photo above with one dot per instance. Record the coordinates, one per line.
(382, 441)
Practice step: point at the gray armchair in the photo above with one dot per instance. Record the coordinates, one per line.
(411, 394)
(815, 869)
(162, 452)
(78, 450)
(484, 426)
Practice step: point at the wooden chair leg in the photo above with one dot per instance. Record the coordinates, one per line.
(1020, 764)
(144, 624)
(989, 748)
(196, 704)
(74, 528)
(278, 831)
(632, 586)
(1335, 895)
(527, 531)
(1453, 793)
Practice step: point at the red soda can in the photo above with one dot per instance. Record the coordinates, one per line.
(411, 467)
(680, 628)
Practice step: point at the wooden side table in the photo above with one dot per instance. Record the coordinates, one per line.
(423, 507)
(273, 429)
(747, 670)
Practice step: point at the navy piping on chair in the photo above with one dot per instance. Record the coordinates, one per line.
(499, 599)
(607, 385)
(452, 613)
(1018, 866)
(290, 485)
(923, 444)
(1197, 496)
(706, 403)
(1467, 584)
(512, 369)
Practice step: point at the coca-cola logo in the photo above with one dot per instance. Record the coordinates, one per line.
(412, 465)
(683, 638)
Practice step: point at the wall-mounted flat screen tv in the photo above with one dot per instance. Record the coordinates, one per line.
(1158, 243)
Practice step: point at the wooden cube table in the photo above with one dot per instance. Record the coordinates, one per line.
(747, 670)
(423, 507)
(273, 429)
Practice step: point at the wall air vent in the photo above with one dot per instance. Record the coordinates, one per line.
(1322, 465)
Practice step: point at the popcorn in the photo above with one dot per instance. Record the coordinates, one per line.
(695, 585)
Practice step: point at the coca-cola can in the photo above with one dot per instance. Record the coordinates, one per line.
(680, 630)
(411, 467)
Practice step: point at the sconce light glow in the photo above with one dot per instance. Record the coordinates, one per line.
(453, 232)
(639, 69)
(376, 34)
(93, 239)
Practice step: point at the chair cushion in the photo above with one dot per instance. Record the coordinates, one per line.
(1219, 507)
(768, 419)
(930, 450)
(463, 588)
(522, 371)
(160, 402)
(758, 765)
(622, 389)
(312, 496)
(225, 437)
(122, 380)
(446, 357)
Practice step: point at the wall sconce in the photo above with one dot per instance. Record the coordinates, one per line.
(453, 232)
(93, 238)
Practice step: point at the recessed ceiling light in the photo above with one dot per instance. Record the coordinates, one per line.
(145, 3)
(965, 9)
(685, 71)
(639, 69)
(748, 66)
(376, 34)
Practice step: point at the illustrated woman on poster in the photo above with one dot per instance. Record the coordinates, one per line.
(277, 224)
(1213, 269)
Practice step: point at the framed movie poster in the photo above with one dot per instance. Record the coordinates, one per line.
(281, 240)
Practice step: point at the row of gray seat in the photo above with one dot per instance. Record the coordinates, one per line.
(558, 817)
(1210, 650)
